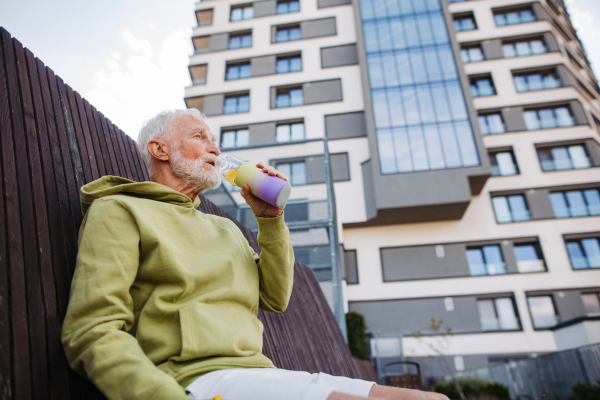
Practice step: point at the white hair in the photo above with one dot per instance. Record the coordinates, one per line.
(162, 127)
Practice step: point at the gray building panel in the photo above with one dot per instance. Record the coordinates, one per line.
(578, 113)
(405, 317)
(540, 13)
(550, 41)
(369, 190)
(350, 267)
(424, 262)
(566, 77)
(213, 104)
(263, 65)
(315, 169)
(339, 55)
(262, 133)
(513, 119)
(508, 255)
(593, 149)
(539, 203)
(340, 168)
(318, 28)
(569, 305)
(323, 91)
(264, 8)
(492, 49)
(344, 126)
(219, 41)
(332, 3)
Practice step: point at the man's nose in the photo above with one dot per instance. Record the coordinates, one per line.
(214, 149)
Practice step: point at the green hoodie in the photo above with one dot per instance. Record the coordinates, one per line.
(163, 293)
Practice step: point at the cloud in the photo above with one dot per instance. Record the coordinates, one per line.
(141, 80)
(588, 29)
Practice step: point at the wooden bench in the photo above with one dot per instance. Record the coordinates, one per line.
(52, 141)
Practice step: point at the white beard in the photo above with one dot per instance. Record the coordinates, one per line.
(196, 173)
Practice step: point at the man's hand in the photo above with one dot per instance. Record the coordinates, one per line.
(259, 207)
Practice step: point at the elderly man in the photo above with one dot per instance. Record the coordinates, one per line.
(164, 298)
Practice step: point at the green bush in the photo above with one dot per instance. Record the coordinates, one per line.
(473, 388)
(357, 336)
(585, 392)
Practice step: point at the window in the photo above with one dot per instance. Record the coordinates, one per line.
(584, 253)
(236, 104)
(284, 7)
(237, 138)
(204, 17)
(491, 124)
(514, 17)
(288, 34)
(289, 97)
(524, 48)
(238, 71)
(562, 158)
(529, 257)
(482, 87)
(290, 132)
(536, 81)
(547, 118)
(296, 172)
(240, 13)
(486, 260)
(471, 54)
(510, 208)
(576, 203)
(591, 302)
(239, 41)
(498, 314)
(198, 74)
(289, 64)
(542, 311)
(466, 23)
(503, 163)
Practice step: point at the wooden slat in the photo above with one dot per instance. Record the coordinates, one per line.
(109, 162)
(112, 145)
(94, 136)
(90, 172)
(11, 128)
(133, 151)
(120, 149)
(127, 154)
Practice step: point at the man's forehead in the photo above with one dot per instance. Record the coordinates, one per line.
(188, 124)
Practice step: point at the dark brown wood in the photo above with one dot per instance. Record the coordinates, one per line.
(366, 370)
(135, 159)
(11, 128)
(404, 381)
(115, 146)
(90, 173)
(109, 163)
(121, 150)
(97, 148)
(127, 154)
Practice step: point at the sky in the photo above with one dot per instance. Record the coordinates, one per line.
(129, 57)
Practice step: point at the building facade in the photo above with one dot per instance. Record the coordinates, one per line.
(463, 147)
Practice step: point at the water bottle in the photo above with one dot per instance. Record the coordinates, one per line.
(271, 189)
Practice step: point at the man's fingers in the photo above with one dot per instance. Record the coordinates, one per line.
(272, 171)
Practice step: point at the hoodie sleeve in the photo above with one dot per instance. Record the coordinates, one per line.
(100, 312)
(275, 264)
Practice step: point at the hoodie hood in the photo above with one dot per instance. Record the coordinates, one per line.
(109, 185)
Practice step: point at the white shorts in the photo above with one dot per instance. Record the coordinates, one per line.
(273, 384)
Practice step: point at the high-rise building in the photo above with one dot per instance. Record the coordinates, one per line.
(464, 148)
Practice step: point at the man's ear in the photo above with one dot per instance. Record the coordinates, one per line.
(159, 149)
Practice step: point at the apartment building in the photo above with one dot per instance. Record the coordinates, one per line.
(463, 147)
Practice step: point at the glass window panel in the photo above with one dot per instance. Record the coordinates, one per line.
(501, 209)
(442, 108)
(379, 9)
(509, 51)
(579, 157)
(550, 81)
(246, 41)
(282, 8)
(475, 54)
(433, 5)
(576, 255)
(228, 140)
(393, 8)
(464, 56)
(487, 315)
(563, 116)
(417, 147)
(559, 205)
(512, 17)
(295, 34)
(425, 104)
(493, 260)
(495, 123)
(233, 72)
(410, 27)
(500, 19)
(419, 6)
(434, 147)
(404, 68)
(389, 69)
(560, 156)
(522, 49)
(243, 104)
(592, 252)
(285, 169)
(518, 208)
(451, 152)
(245, 71)
(434, 72)
(520, 83)
(447, 60)
(387, 159)
(425, 31)
(296, 64)
(396, 108)
(485, 87)
(468, 151)
(366, 9)
(296, 97)
(235, 42)
(283, 35)
(297, 131)
(294, 6)
(406, 7)
(527, 16)
(370, 34)
(483, 126)
(418, 66)
(230, 105)
(592, 198)
(542, 312)
(476, 262)
(547, 119)
(528, 259)
(375, 71)
(457, 101)
(283, 100)
(506, 314)
(531, 120)
(537, 47)
(546, 160)
(283, 66)
(577, 205)
(282, 133)
(409, 100)
(383, 31)
(591, 303)
(380, 109)
(439, 28)
(506, 163)
(243, 138)
(398, 36)
(298, 173)
(236, 14)
(248, 12)
(534, 82)
(402, 150)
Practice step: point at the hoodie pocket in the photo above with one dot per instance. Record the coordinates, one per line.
(224, 329)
